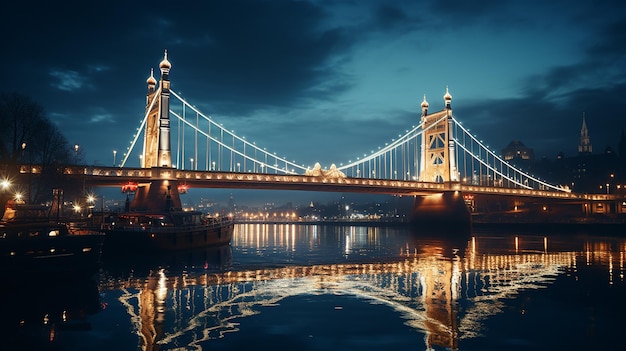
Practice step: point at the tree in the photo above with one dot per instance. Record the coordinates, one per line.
(28, 137)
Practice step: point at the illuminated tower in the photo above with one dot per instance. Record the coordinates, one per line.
(151, 133)
(156, 147)
(165, 156)
(161, 193)
(423, 117)
(438, 162)
(584, 146)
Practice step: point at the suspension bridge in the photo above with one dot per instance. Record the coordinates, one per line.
(438, 156)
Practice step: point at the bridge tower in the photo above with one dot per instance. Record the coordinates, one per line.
(438, 164)
(157, 145)
(438, 159)
(161, 193)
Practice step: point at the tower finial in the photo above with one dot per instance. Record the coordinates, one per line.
(165, 64)
(447, 98)
(424, 103)
(151, 81)
(424, 107)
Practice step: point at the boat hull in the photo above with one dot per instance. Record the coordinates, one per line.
(169, 239)
(59, 254)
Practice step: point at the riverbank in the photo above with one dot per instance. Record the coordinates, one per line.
(588, 226)
(334, 222)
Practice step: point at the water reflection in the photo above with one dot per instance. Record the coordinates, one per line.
(35, 309)
(142, 264)
(442, 288)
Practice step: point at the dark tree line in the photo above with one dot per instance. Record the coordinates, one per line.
(28, 137)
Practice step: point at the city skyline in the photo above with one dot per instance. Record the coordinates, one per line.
(341, 76)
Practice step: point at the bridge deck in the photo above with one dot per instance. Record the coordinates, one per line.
(114, 176)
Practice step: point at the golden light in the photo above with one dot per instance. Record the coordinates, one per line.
(18, 196)
(76, 208)
(5, 184)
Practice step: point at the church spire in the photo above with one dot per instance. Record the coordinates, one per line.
(584, 146)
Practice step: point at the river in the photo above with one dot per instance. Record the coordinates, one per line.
(325, 287)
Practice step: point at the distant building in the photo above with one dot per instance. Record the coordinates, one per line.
(586, 172)
(517, 150)
(584, 146)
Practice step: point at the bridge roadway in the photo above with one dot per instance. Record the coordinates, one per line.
(115, 176)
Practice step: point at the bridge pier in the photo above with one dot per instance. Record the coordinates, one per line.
(158, 195)
(445, 211)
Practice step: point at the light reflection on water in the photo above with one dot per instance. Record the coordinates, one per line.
(446, 292)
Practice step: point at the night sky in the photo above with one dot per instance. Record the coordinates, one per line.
(326, 81)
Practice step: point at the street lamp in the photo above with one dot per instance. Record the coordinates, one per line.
(238, 167)
(114, 154)
(76, 153)
(191, 161)
(91, 201)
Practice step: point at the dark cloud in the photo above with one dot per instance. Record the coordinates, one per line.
(609, 40)
(467, 8)
(239, 53)
(603, 65)
(388, 16)
(459, 13)
(548, 126)
(235, 57)
(255, 52)
(67, 80)
(548, 114)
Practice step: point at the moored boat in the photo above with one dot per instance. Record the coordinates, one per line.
(47, 247)
(166, 231)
